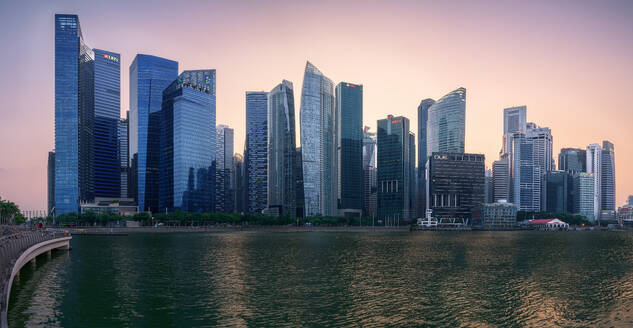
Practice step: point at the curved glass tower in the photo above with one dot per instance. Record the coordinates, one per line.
(446, 125)
(318, 143)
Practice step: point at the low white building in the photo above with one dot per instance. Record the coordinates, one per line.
(549, 224)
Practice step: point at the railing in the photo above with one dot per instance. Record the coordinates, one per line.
(13, 245)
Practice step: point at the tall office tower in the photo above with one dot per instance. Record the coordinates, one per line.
(572, 160)
(526, 174)
(607, 194)
(423, 117)
(300, 197)
(394, 169)
(239, 185)
(349, 113)
(501, 179)
(74, 68)
(594, 166)
(557, 192)
(583, 184)
(489, 187)
(149, 76)
(256, 151)
(514, 120)
(318, 143)
(630, 200)
(107, 114)
(543, 146)
(456, 184)
(369, 173)
(282, 152)
(51, 182)
(187, 143)
(123, 155)
(224, 199)
(446, 125)
(413, 187)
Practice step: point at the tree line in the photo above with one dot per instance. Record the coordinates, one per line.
(10, 213)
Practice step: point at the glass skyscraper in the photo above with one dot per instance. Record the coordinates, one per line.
(349, 109)
(149, 76)
(187, 143)
(224, 198)
(607, 208)
(51, 182)
(369, 173)
(256, 152)
(107, 113)
(526, 174)
(423, 117)
(74, 64)
(446, 125)
(318, 143)
(282, 152)
(396, 163)
(594, 166)
(123, 156)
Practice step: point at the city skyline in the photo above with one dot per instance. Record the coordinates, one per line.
(393, 90)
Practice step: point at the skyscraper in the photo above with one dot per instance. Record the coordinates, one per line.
(542, 141)
(282, 152)
(73, 115)
(423, 116)
(607, 208)
(349, 118)
(446, 125)
(149, 76)
(107, 113)
(514, 120)
(318, 143)
(488, 187)
(394, 177)
(456, 184)
(224, 198)
(526, 174)
(501, 179)
(369, 173)
(256, 151)
(187, 143)
(583, 184)
(594, 166)
(572, 160)
(51, 182)
(123, 156)
(557, 191)
(239, 184)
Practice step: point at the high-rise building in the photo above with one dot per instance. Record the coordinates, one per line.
(318, 143)
(583, 184)
(423, 117)
(149, 76)
(542, 141)
(572, 160)
(51, 182)
(300, 198)
(594, 166)
(349, 119)
(74, 114)
(456, 184)
(557, 192)
(394, 178)
(187, 143)
(607, 194)
(107, 113)
(489, 187)
(123, 156)
(282, 152)
(630, 200)
(501, 179)
(224, 198)
(446, 124)
(514, 120)
(239, 186)
(526, 174)
(369, 173)
(256, 151)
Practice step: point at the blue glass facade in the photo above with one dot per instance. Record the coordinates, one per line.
(68, 47)
(446, 125)
(149, 76)
(256, 151)
(107, 113)
(318, 143)
(188, 143)
(349, 118)
(423, 116)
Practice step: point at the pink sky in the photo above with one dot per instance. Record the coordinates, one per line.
(568, 61)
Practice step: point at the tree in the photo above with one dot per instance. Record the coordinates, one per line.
(9, 212)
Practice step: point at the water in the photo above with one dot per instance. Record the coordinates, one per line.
(332, 279)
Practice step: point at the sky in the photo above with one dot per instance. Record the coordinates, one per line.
(569, 62)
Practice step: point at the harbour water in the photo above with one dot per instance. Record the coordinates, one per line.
(452, 279)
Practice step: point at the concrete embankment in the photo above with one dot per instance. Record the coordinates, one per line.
(172, 229)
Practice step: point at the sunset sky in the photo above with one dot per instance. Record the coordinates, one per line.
(569, 62)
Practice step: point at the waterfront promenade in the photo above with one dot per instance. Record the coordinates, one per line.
(18, 247)
(220, 228)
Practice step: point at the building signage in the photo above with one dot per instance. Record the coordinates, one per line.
(396, 121)
(443, 157)
(112, 58)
